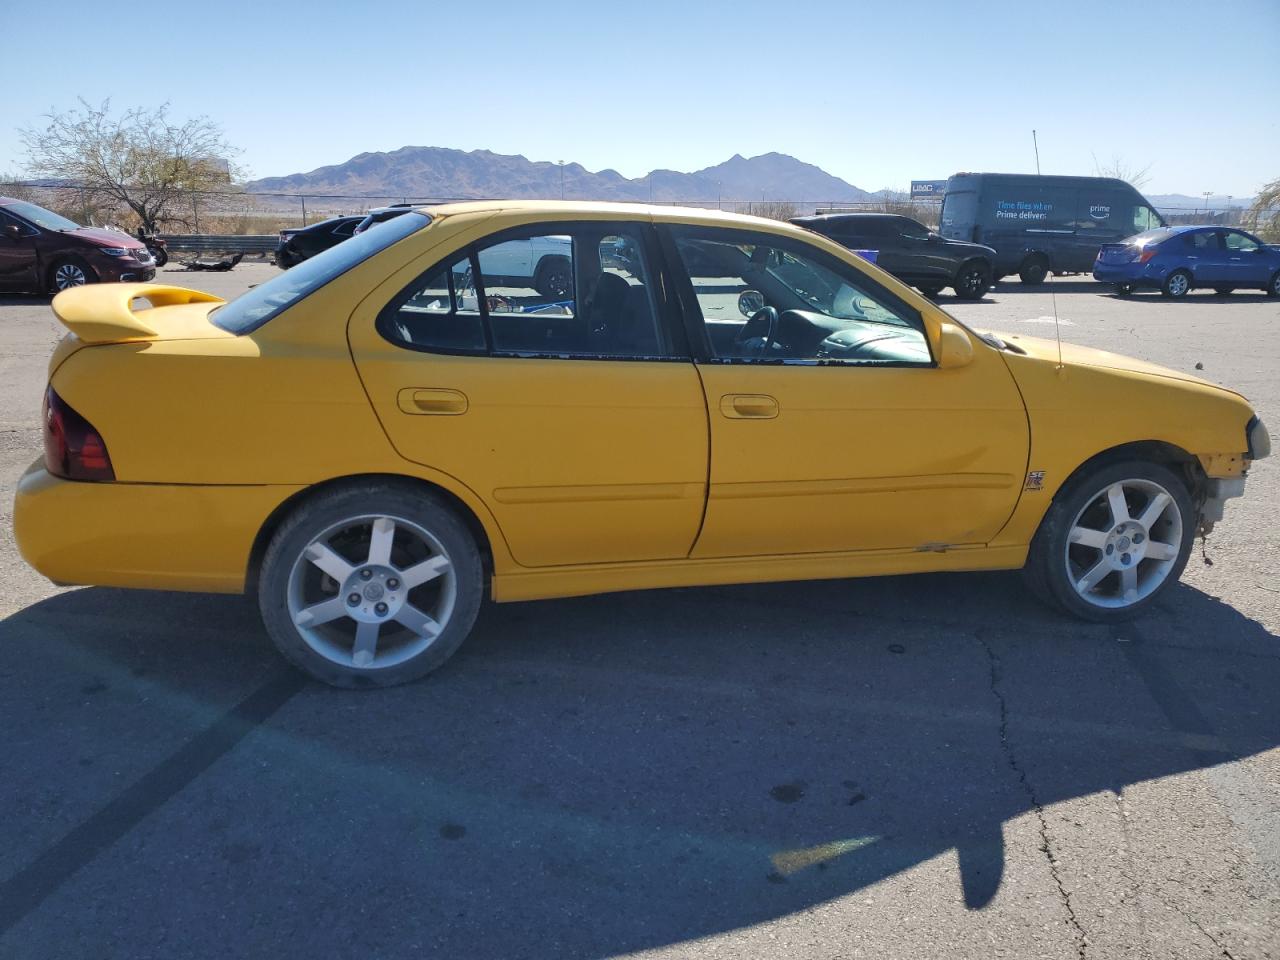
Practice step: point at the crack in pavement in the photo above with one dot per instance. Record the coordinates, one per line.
(1046, 844)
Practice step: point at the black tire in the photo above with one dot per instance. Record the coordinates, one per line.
(1034, 270)
(161, 256)
(973, 280)
(929, 291)
(1048, 572)
(1273, 288)
(1177, 285)
(347, 510)
(64, 271)
(1124, 289)
(554, 278)
(1224, 291)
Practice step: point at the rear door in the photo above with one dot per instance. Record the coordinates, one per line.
(1206, 257)
(581, 424)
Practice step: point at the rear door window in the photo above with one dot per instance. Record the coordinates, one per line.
(566, 291)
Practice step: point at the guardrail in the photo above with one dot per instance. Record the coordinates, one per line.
(219, 243)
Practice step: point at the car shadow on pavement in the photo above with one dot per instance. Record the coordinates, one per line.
(586, 777)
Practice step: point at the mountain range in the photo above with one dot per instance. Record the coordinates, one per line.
(443, 173)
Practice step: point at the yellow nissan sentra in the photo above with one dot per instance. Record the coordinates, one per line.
(547, 399)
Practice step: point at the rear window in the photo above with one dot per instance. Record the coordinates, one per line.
(1151, 236)
(251, 310)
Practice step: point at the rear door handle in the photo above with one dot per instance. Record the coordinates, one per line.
(432, 400)
(748, 406)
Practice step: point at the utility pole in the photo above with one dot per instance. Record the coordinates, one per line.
(1035, 143)
(561, 162)
(304, 211)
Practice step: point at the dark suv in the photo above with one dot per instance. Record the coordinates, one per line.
(911, 251)
(43, 252)
(383, 214)
(300, 244)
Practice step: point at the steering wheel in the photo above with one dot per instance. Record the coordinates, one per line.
(767, 316)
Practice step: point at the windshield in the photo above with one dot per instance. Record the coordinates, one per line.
(40, 216)
(253, 309)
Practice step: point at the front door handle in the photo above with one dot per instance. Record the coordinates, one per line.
(748, 406)
(431, 400)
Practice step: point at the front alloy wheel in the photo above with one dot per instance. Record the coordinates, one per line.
(1114, 538)
(370, 586)
(69, 274)
(972, 282)
(1123, 543)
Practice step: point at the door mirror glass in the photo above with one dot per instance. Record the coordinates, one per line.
(750, 302)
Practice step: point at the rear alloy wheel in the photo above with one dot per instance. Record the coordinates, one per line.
(1124, 289)
(555, 279)
(1034, 270)
(69, 273)
(1224, 291)
(1113, 541)
(1177, 285)
(370, 586)
(972, 282)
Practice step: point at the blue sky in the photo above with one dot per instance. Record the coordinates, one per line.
(876, 93)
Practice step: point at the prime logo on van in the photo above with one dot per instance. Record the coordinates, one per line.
(1023, 210)
(1099, 211)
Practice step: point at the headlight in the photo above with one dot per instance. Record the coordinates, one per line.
(115, 251)
(1259, 439)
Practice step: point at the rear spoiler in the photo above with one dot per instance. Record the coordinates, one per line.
(103, 313)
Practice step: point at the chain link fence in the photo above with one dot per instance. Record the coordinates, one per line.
(242, 213)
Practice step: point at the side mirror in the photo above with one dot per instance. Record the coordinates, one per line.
(750, 302)
(955, 349)
(12, 231)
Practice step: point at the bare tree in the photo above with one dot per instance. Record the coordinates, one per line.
(142, 158)
(773, 209)
(1121, 170)
(1264, 214)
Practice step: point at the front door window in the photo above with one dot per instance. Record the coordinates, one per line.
(768, 298)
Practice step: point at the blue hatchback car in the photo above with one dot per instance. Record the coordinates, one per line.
(1176, 260)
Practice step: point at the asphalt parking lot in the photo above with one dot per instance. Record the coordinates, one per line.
(904, 767)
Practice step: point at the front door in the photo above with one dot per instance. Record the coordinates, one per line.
(580, 423)
(18, 259)
(831, 427)
(1244, 266)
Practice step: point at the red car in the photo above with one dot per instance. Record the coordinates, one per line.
(43, 252)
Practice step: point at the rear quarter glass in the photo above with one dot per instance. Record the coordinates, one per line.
(251, 310)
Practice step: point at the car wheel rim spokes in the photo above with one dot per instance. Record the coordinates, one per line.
(372, 592)
(68, 275)
(1124, 543)
(1178, 285)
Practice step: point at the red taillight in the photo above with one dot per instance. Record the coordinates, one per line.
(1147, 253)
(72, 447)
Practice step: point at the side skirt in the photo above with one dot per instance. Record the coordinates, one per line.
(575, 581)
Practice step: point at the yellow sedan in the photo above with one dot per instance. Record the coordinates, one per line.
(374, 440)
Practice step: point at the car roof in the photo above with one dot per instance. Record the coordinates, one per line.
(564, 209)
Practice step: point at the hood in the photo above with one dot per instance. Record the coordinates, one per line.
(1077, 356)
(111, 313)
(106, 238)
(953, 244)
